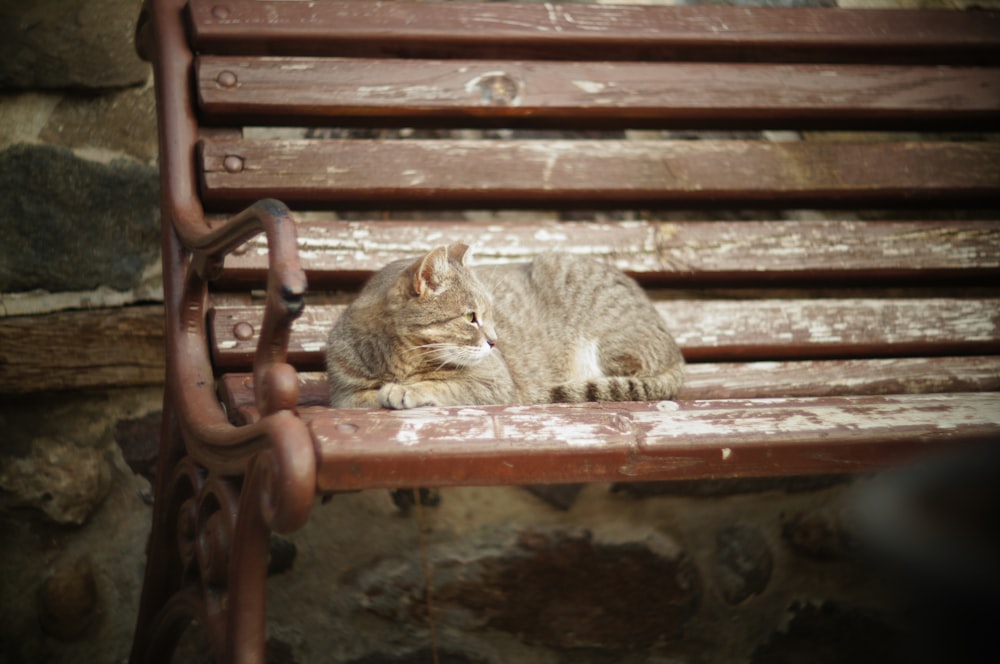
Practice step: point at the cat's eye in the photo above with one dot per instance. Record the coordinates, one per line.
(470, 316)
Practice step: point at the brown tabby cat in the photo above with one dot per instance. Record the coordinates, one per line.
(434, 332)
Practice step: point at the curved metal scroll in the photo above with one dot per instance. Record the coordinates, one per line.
(220, 488)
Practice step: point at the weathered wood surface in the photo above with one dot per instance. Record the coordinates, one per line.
(712, 330)
(71, 350)
(741, 380)
(598, 32)
(362, 449)
(321, 92)
(690, 252)
(634, 174)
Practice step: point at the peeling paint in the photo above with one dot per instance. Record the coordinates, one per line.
(590, 87)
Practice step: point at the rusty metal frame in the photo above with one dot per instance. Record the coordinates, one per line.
(217, 487)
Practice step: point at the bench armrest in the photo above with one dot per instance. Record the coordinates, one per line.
(280, 441)
(276, 382)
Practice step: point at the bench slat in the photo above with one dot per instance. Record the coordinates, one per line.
(323, 92)
(469, 174)
(687, 252)
(553, 31)
(362, 449)
(741, 380)
(712, 330)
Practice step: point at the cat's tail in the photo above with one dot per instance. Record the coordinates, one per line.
(622, 388)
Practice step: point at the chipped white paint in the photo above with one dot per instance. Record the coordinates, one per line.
(573, 434)
(373, 90)
(590, 87)
(228, 344)
(409, 434)
(472, 412)
(313, 346)
(553, 16)
(732, 419)
(406, 93)
(413, 421)
(726, 453)
(414, 177)
(286, 66)
(546, 235)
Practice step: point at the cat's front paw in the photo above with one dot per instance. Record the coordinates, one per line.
(394, 395)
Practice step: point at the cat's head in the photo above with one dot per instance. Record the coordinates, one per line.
(440, 311)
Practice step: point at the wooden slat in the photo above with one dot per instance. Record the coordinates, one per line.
(712, 330)
(323, 92)
(361, 449)
(468, 174)
(73, 350)
(741, 380)
(338, 253)
(598, 32)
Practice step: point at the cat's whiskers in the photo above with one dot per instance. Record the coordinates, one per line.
(431, 352)
(445, 354)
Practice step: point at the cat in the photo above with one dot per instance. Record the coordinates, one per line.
(432, 331)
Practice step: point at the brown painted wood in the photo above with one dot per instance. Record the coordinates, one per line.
(70, 350)
(580, 31)
(366, 92)
(364, 448)
(741, 380)
(557, 443)
(713, 330)
(469, 174)
(338, 253)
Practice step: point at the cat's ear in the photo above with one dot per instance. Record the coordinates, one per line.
(431, 271)
(460, 253)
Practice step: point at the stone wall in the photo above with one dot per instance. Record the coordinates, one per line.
(79, 224)
(685, 572)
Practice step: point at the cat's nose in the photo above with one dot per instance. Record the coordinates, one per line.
(490, 334)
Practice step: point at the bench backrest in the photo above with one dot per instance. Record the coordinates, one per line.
(591, 112)
(680, 143)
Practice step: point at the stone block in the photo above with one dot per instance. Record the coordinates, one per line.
(820, 534)
(72, 224)
(564, 588)
(122, 121)
(139, 440)
(743, 563)
(79, 44)
(58, 478)
(67, 600)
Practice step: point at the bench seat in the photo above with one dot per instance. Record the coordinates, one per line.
(811, 197)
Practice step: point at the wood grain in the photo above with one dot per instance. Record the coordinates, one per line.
(714, 330)
(338, 253)
(597, 32)
(490, 445)
(71, 350)
(406, 93)
(741, 380)
(634, 174)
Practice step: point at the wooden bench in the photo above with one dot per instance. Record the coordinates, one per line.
(836, 342)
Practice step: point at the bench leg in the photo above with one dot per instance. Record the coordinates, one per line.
(154, 641)
(246, 622)
(206, 561)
